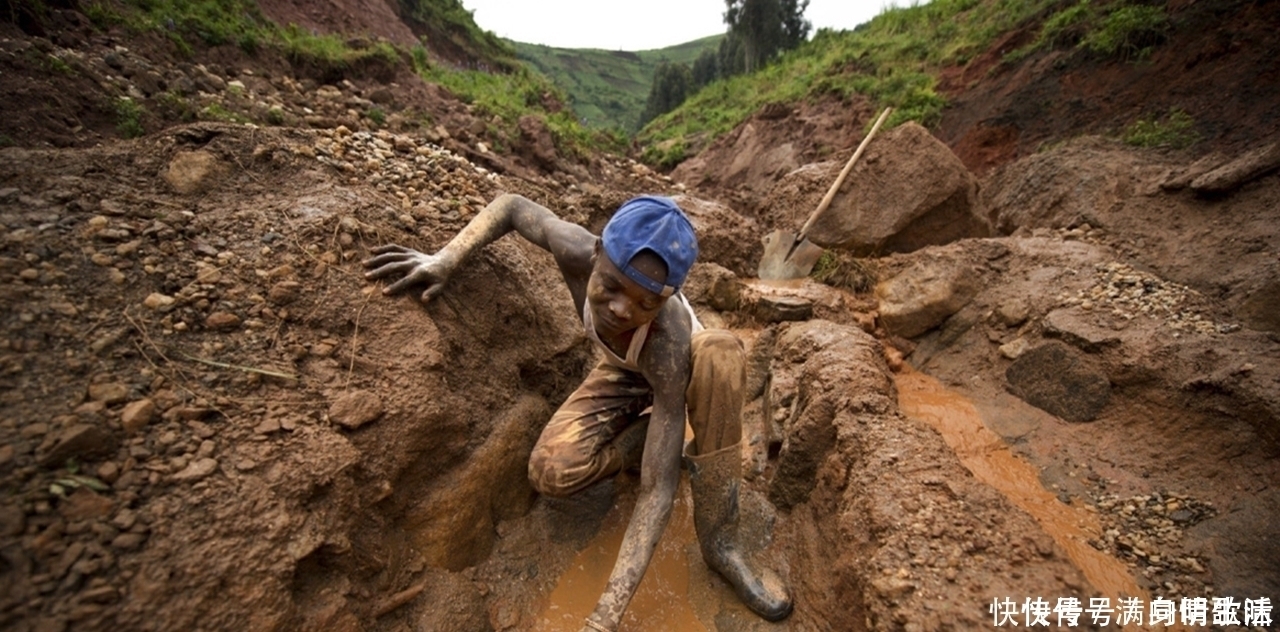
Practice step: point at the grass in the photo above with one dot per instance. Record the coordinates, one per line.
(1176, 130)
(1118, 30)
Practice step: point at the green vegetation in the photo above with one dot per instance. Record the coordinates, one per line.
(843, 270)
(1118, 30)
(275, 116)
(449, 20)
(378, 117)
(1176, 129)
(129, 118)
(893, 60)
(608, 89)
(511, 95)
(216, 112)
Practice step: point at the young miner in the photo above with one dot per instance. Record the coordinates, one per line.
(625, 288)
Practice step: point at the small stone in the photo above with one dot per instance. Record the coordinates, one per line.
(267, 426)
(159, 302)
(109, 392)
(129, 541)
(136, 415)
(197, 470)
(222, 321)
(78, 441)
(354, 409)
(109, 472)
(1014, 348)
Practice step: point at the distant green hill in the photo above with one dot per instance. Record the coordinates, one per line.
(608, 88)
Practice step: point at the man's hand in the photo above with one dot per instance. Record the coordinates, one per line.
(417, 268)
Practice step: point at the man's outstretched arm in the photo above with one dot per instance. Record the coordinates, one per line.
(659, 478)
(569, 243)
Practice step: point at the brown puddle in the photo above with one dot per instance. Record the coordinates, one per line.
(662, 602)
(985, 455)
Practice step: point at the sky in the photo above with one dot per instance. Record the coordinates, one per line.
(637, 25)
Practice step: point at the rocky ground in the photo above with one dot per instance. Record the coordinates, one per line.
(205, 404)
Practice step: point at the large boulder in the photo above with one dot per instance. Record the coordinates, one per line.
(724, 236)
(1058, 380)
(907, 191)
(923, 296)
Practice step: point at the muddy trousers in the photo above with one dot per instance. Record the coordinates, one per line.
(601, 427)
(598, 430)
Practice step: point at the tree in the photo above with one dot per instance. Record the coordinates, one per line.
(706, 68)
(760, 29)
(671, 84)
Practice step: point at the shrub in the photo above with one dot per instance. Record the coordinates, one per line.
(378, 117)
(129, 118)
(1129, 31)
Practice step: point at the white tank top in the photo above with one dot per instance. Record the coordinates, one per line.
(631, 362)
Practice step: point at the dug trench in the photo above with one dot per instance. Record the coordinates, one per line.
(212, 421)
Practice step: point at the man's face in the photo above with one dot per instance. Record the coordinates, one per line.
(619, 304)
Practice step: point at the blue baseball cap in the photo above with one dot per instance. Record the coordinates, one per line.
(656, 224)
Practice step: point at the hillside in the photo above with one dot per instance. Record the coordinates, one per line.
(608, 89)
(1037, 365)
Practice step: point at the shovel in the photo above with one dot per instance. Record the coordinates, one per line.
(791, 256)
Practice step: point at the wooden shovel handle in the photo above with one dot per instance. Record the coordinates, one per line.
(835, 186)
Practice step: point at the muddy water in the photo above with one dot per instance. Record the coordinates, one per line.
(989, 459)
(663, 601)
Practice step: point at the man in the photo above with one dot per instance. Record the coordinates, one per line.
(656, 355)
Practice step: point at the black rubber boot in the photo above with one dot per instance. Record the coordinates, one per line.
(715, 479)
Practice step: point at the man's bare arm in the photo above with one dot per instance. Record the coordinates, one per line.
(569, 243)
(659, 478)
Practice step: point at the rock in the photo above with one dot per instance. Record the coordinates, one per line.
(222, 321)
(1247, 167)
(1260, 307)
(6, 454)
(536, 141)
(777, 309)
(109, 392)
(355, 408)
(196, 470)
(725, 237)
(1056, 379)
(1075, 328)
(906, 192)
(923, 296)
(1012, 313)
(136, 415)
(79, 441)
(192, 171)
(284, 292)
(1014, 348)
(128, 541)
(1178, 179)
(159, 302)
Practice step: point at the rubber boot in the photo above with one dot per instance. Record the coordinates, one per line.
(715, 479)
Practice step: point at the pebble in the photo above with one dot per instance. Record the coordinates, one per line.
(159, 302)
(137, 414)
(197, 470)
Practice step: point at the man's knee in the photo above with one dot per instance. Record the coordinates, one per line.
(557, 471)
(717, 343)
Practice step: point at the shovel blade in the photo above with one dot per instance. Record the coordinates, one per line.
(785, 258)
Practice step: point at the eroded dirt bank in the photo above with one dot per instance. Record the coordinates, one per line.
(206, 404)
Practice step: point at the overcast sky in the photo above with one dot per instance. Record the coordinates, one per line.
(637, 25)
